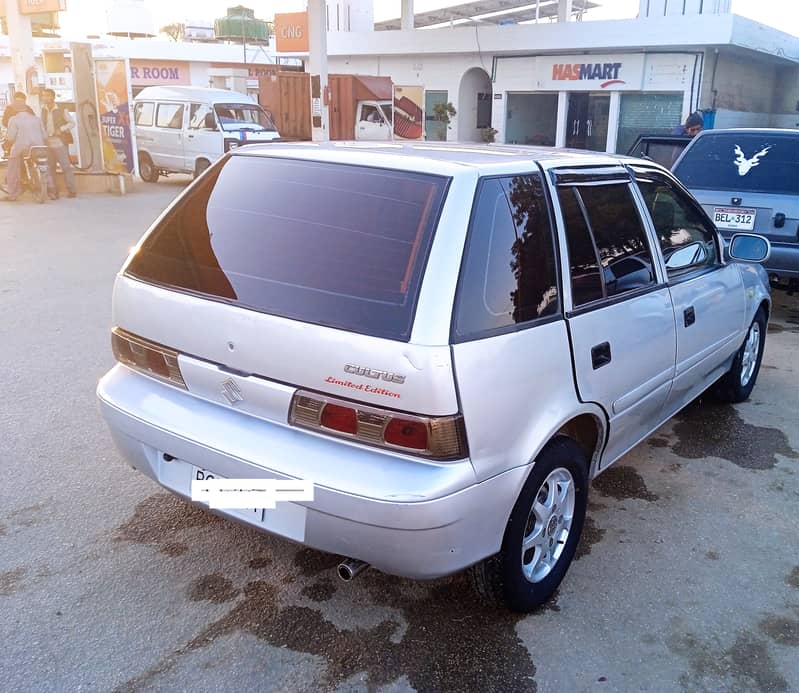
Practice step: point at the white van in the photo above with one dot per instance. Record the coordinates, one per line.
(186, 129)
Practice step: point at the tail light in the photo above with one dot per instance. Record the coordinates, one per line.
(147, 357)
(436, 438)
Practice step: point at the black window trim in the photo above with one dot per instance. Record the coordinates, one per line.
(454, 336)
(679, 276)
(170, 211)
(591, 174)
(613, 300)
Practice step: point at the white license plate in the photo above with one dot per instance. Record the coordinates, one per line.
(734, 218)
(286, 519)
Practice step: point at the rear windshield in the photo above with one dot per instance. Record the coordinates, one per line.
(742, 162)
(336, 245)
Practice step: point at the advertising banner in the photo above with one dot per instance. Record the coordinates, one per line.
(291, 32)
(408, 113)
(113, 98)
(38, 6)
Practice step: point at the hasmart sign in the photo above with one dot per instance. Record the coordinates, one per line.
(590, 71)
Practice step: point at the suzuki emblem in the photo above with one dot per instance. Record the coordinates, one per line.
(231, 391)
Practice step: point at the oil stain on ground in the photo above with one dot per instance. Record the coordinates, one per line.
(9, 581)
(746, 665)
(213, 588)
(591, 535)
(792, 578)
(621, 483)
(781, 629)
(320, 591)
(158, 518)
(707, 429)
(452, 641)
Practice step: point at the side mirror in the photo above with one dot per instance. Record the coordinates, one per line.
(749, 247)
(210, 122)
(687, 256)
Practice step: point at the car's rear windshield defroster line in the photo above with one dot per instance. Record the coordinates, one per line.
(337, 245)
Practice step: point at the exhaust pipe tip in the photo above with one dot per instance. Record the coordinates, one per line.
(349, 568)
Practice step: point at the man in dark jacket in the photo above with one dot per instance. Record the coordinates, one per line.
(58, 125)
(693, 125)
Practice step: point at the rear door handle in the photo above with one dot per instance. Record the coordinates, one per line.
(690, 316)
(600, 355)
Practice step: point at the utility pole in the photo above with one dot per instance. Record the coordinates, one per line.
(20, 37)
(317, 62)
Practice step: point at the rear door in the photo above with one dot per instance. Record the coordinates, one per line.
(620, 313)
(708, 295)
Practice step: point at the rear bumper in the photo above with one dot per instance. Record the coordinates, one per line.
(405, 517)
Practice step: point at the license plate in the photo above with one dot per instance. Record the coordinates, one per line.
(734, 218)
(286, 519)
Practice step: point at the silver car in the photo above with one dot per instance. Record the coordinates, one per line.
(748, 180)
(446, 342)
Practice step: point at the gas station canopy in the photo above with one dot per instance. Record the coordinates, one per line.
(489, 12)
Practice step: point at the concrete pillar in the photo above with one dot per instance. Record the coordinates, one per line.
(564, 10)
(317, 63)
(613, 121)
(563, 112)
(406, 23)
(20, 37)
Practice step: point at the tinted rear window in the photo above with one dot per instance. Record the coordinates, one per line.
(745, 162)
(343, 246)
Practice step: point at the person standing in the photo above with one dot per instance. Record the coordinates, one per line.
(25, 130)
(58, 124)
(693, 125)
(19, 103)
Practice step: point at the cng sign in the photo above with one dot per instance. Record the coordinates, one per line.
(291, 32)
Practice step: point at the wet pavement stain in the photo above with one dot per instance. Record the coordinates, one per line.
(3, 530)
(707, 429)
(746, 665)
(311, 562)
(441, 649)
(174, 549)
(158, 518)
(621, 483)
(259, 562)
(782, 630)
(712, 555)
(792, 578)
(320, 591)
(591, 535)
(9, 581)
(658, 442)
(213, 588)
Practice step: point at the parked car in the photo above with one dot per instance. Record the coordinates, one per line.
(748, 180)
(448, 341)
(662, 149)
(186, 129)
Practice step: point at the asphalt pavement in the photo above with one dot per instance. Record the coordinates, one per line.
(687, 577)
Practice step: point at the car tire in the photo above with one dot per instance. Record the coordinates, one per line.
(737, 384)
(523, 579)
(147, 170)
(200, 167)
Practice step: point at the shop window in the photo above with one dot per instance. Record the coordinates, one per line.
(531, 119)
(647, 114)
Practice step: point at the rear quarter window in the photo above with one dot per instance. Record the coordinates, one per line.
(742, 162)
(336, 245)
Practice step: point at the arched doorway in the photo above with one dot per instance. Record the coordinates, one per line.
(474, 105)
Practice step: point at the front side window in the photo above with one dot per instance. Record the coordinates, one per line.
(143, 113)
(200, 117)
(508, 276)
(686, 239)
(170, 115)
(608, 251)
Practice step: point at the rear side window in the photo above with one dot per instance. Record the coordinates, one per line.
(742, 162)
(343, 246)
(610, 219)
(143, 113)
(170, 115)
(508, 276)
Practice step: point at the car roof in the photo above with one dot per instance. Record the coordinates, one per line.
(447, 158)
(202, 94)
(749, 131)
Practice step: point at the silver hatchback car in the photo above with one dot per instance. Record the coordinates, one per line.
(447, 342)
